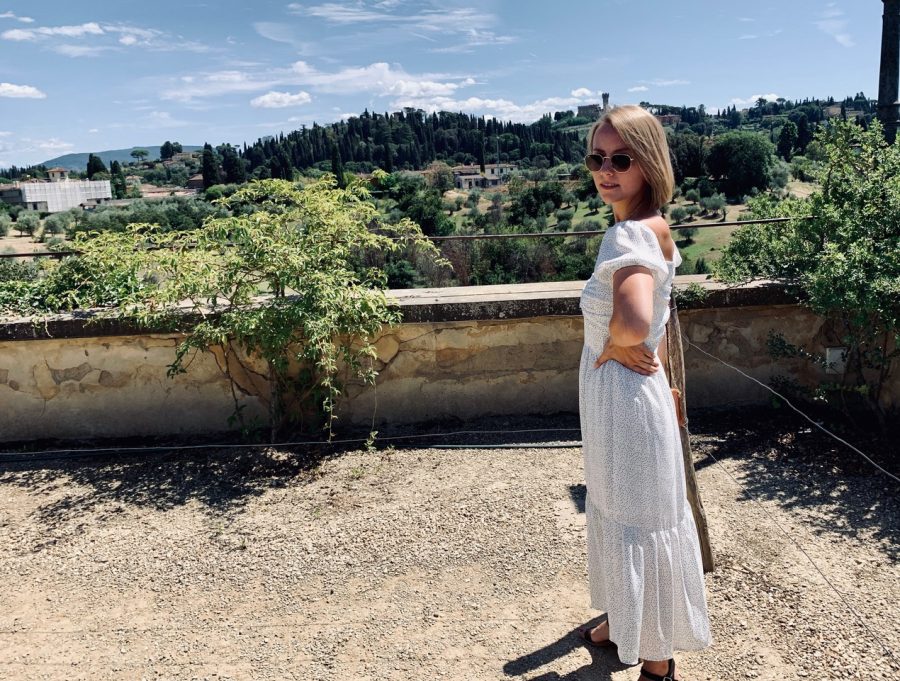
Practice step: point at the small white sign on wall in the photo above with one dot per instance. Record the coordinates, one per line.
(835, 360)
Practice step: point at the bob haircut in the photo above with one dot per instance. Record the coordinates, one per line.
(646, 140)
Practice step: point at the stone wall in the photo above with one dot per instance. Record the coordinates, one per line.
(460, 353)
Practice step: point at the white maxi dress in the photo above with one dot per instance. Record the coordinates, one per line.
(644, 562)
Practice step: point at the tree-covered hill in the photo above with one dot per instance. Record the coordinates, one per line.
(123, 156)
(411, 139)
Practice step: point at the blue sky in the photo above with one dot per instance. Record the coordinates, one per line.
(90, 75)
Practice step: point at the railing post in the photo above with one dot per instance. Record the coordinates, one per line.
(889, 76)
(675, 354)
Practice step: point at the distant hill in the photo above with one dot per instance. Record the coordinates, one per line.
(79, 161)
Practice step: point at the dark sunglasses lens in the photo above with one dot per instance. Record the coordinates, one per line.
(594, 162)
(620, 162)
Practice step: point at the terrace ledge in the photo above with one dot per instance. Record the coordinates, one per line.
(451, 304)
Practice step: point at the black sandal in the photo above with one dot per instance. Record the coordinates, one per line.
(670, 675)
(585, 634)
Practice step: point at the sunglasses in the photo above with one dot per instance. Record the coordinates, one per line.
(620, 163)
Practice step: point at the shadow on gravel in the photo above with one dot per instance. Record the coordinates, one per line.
(778, 456)
(603, 662)
(223, 480)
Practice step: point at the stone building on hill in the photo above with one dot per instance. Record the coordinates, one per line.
(57, 194)
(470, 177)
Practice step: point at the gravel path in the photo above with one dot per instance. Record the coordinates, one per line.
(425, 563)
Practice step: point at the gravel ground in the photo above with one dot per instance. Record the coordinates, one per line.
(424, 563)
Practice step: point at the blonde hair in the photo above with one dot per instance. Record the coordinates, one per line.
(646, 139)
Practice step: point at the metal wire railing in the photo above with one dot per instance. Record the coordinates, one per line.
(514, 235)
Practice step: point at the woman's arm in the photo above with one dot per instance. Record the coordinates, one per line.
(632, 306)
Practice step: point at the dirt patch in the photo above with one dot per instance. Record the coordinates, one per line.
(424, 563)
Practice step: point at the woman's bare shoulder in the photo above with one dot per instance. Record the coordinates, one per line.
(661, 228)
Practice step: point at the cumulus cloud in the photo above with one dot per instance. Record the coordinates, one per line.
(379, 78)
(751, 100)
(582, 93)
(502, 108)
(280, 100)
(20, 91)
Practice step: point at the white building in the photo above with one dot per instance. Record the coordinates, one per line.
(57, 195)
(469, 177)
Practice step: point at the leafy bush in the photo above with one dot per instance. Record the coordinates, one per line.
(844, 261)
(280, 280)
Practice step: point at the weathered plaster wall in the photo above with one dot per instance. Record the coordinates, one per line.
(459, 353)
(112, 386)
(522, 366)
(472, 368)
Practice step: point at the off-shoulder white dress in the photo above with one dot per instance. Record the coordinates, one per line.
(643, 553)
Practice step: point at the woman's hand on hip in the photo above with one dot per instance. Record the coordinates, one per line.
(635, 357)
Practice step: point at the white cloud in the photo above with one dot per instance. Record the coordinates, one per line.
(667, 83)
(51, 144)
(502, 108)
(163, 119)
(280, 100)
(473, 39)
(465, 28)
(21, 34)
(832, 24)
(751, 100)
(5, 133)
(11, 15)
(219, 83)
(94, 131)
(127, 36)
(638, 88)
(748, 36)
(20, 91)
(80, 50)
(379, 78)
(582, 93)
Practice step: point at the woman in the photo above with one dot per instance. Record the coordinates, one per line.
(643, 553)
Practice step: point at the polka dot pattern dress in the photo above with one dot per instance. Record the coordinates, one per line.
(644, 560)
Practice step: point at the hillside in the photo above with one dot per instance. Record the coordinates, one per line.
(79, 161)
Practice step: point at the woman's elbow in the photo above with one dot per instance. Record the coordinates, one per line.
(628, 333)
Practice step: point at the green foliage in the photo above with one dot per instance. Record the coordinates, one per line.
(845, 261)
(14, 270)
(694, 295)
(787, 140)
(678, 215)
(687, 152)
(741, 161)
(5, 224)
(28, 222)
(279, 281)
(713, 204)
(176, 213)
(210, 167)
(94, 166)
(139, 154)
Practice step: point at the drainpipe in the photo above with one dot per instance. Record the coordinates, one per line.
(888, 106)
